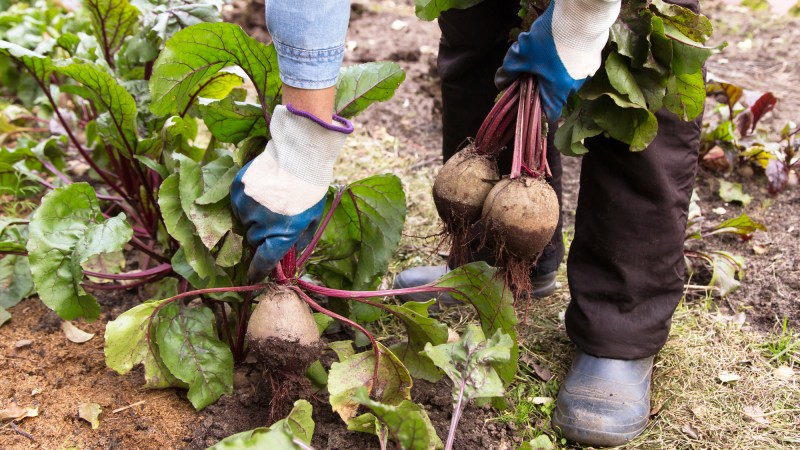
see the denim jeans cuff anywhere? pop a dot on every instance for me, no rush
(309, 69)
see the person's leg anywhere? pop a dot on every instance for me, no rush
(626, 275)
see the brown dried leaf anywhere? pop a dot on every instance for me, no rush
(691, 431)
(728, 377)
(90, 412)
(755, 414)
(656, 409)
(22, 343)
(543, 372)
(16, 412)
(75, 334)
(784, 373)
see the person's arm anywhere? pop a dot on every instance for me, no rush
(280, 195)
(563, 49)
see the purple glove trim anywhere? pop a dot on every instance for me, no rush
(346, 128)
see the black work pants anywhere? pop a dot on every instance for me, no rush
(625, 266)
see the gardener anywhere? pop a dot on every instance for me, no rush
(625, 266)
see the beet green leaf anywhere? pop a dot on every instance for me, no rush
(66, 230)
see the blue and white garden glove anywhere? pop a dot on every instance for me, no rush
(280, 195)
(562, 48)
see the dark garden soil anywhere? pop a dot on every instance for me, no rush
(40, 367)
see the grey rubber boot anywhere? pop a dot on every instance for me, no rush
(604, 402)
(543, 285)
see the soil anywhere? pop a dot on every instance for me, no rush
(57, 375)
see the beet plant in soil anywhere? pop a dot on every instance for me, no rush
(158, 116)
(731, 139)
(722, 270)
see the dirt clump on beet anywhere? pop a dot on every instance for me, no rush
(282, 333)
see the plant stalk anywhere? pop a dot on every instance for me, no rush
(315, 306)
(340, 293)
(321, 229)
(162, 268)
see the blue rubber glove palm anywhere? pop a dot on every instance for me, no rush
(280, 196)
(562, 48)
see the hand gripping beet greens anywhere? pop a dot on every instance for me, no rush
(653, 60)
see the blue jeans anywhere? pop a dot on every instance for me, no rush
(309, 39)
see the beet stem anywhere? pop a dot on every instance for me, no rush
(315, 306)
(318, 234)
(492, 140)
(480, 137)
(241, 328)
(339, 293)
(516, 162)
(162, 268)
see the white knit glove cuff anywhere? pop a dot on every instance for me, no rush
(294, 171)
(580, 31)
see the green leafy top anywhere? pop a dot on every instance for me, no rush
(469, 362)
(193, 58)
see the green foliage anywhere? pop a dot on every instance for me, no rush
(66, 230)
(733, 192)
(117, 123)
(112, 22)
(783, 345)
(727, 269)
(193, 59)
(476, 284)
(421, 330)
(16, 283)
(654, 59)
(281, 435)
(362, 85)
(356, 371)
(431, 9)
(357, 245)
(469, 363)
(407, 424)
(189, 346)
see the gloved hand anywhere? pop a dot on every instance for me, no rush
(279, 196)
(562, 48)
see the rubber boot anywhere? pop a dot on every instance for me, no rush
(604, 402)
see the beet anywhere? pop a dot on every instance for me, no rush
(282, 333)
(462, 186)
(521, 216)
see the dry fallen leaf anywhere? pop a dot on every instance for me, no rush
(452, 336)
(737, 319)
(398, 25)
(755, 414)
(90, 412)
(691, 431)
(543, 372)
(728, 377)
(656, 409)
(759, 249)
(784, 373)
(75, 334)
(16, 412)
(699, 411)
